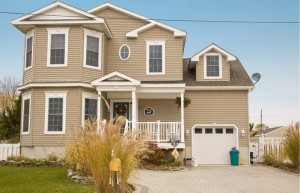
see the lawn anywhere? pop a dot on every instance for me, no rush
(38, 179)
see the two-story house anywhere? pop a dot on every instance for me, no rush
(72, 57)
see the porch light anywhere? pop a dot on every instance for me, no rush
(243, 132)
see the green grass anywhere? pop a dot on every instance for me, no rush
(39, 179)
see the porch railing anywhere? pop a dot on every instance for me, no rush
(157, 131)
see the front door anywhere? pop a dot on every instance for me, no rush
(121, 109)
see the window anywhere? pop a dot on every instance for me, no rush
(219, 130)
(90, 109)
(29, 49)
(89, 106)
(155, 57)
(26, 114)
(208, 130)
(229, 130)
(55, 115)
(57, 47)
(198, 130)
(92, 49)
(124, 52)
(212, 66)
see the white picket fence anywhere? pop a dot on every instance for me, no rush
(7, 150)
(263, 145)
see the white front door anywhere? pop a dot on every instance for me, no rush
(211, 145)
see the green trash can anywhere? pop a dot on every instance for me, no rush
(234, 157)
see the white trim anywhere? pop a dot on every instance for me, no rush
(101, 81)
(129, 52)
(87, 95)
(25, 97)
(96, 34)
(236, 130)
(28, 35)
(58, 30)
(230, 57)
(249, 88)
(31, 85)
(55, 94)
(156, 42)
(52, 6)
(220, 66)
(177, 85)
(177, 33)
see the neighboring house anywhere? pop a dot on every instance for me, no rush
(272, 132)
(137, 65)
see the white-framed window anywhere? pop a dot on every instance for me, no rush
(26, 114)
(124, 52)
(212, 66)
(155, 52)
(92, 49)
(55, 112)
(58, 39)
(89, 106)
(29, 49)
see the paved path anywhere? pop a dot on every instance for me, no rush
(218, 179)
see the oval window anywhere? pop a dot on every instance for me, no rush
(124, 52)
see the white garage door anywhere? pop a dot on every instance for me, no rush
(211, 145)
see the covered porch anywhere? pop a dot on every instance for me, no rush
(149, 107)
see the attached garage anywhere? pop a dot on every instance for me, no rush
(211, 143)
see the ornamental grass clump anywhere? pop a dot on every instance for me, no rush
(91, 153)
(291, 144)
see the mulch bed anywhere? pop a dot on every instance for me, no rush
(162, 167)
(285, 167)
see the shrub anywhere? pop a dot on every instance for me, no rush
(291, 143)
(52, 157)
(91, 152)
(154, 154)
(272, 159)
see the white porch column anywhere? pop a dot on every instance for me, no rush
(134, 101)
(98, 109)
(182, 117)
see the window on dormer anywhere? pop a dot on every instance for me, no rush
(92, 49)
(155, 57)
(57, 47)
(212, 66)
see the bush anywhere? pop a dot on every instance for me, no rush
(91, 153)
(291, 144)
(272, 159)
(154, 154)
(52, 157)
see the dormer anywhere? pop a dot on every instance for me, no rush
(212, 64)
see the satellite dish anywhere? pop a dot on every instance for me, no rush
(256, 77)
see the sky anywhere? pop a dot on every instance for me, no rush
(269, 49)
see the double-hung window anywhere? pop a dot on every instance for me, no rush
(57, 47)
(155, 57)
(212, 66)
(89, 107)
(92, 49)
(55, 112)
(29, 49)
(26, 114)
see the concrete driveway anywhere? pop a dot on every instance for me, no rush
(218, 179)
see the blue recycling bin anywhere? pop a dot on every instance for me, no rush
(234, 157)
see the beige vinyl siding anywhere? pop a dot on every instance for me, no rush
(220, 107)
(225, 69)
(105, 55)
(164, 110)
(52, 74)
(135, 66)
(28, 75)
(26, 139)
(73, 120)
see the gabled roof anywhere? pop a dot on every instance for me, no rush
(269, 130)
(115, 78)
(177, 32)
(59, 13)
(230, 56)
